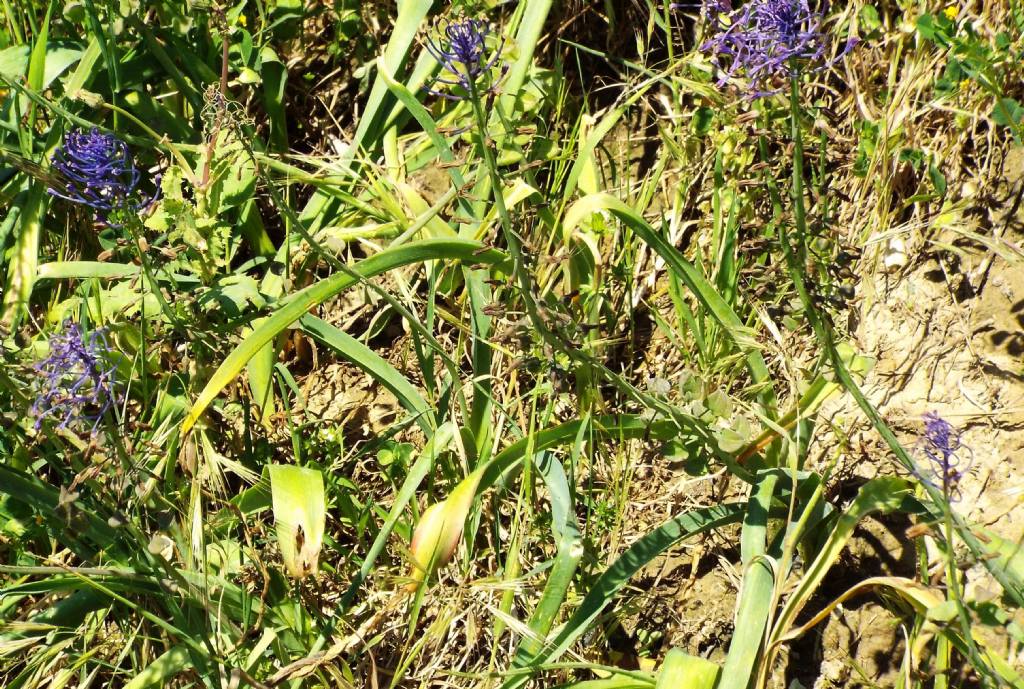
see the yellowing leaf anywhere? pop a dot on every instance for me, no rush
(300, 511)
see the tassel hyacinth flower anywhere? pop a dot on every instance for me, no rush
(78, 379)
(768, 40)
(948, 458)
(98, 171)
(461, 52)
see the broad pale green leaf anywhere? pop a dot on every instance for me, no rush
(684, 671)
(21, 273)
(300, 512)
(162, 670)
(66, 270)
(756, 593)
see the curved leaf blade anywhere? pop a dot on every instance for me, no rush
(701, 288)
(302, 301)
(622, 570)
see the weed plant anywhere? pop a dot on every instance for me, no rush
(369, 344)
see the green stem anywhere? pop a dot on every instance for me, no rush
(953, 588)
(515, 246)
(137, 229)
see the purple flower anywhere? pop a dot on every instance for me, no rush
(78, 383)
(98, 171)
(767, 40)
(461, 52)
(948, 458)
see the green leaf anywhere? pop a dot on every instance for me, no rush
(232, 295)
(69, 270)
(1007, 112)
(643, 551)
(234, 173)
(929, 30)
(275, 77)
(300, 511)
(703, 119)
(695, 281)
(570, 550)
(535, 14)
(756, 593)
(162, 670)
(719, 404)
(22, 271)
(869, 18)
(366, 359)
(403, 35)
(37, 59)
(14, 61)
(938, 179)
(684, 671)
(1005, 554)
(945, 612)
(877, 495)
(260, 374)
(59, 58)
(293, 309)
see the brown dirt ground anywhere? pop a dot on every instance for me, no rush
(946, 328)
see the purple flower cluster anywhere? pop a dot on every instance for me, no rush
(78, 380)
(767, 40)
(461, 52)
(98, 171)
(948, 457)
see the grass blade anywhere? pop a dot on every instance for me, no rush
(367, 360)
(438, 443)
(21, 273)
(756, 593)
(688, 274)
(410, 15)
(162, 670)
(79, 270)
(622, 570)
(300, 302)
(881, 494)
(570, 551)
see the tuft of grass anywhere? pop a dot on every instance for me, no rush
(438, 377)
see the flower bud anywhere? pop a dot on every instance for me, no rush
(440, 528)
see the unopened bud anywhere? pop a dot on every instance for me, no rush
(437, 535)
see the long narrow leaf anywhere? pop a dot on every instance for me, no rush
(367, 360)
(439, 442)
(622, 570)
(294, 308)
(690, 276)
(756, 593)
(567, 559)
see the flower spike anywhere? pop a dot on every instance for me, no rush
(461, 51)
(948, 458)
(98, 171)
(767, 40)
(78, 379)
